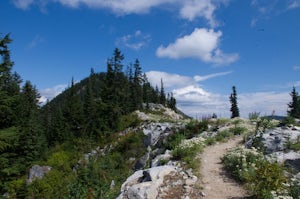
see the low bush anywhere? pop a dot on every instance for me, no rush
(221, 136)
(210, 141)
(259, 175)
(187, 151)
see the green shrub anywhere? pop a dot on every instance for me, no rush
(187, 152)
(288, 121)
(295, 191)
(295, 146)
(53, 185)
(130, 120)
(238, 130)
(260, 176)
(268, 176)
(174, 140)
(221, 136)
(60, 160)
(194, 128)
(210, 141)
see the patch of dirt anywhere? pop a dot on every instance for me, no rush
(215, 182)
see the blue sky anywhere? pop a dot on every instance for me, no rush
(201, 48)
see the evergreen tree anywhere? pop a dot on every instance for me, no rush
(162, 95)
(90, 109)
(294, 105)
(117, 61)
(32, 140)
(171, 101)
(234, 106)
(137, 85)
(9, 86)
(73, 112)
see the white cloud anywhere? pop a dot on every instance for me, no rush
(199, 78)
(23, 4)
(170, 80)
(35, 41)
(134, 41)
(199, 8)
(269, 8)
(188, 9)
(297, 67)
(194, 100)
(202, 44)
(263, 102)
(50, 93)
(293, 4)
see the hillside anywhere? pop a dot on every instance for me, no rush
(86, 118)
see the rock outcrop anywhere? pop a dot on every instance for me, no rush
(37, 172)
(158, 182)
(275, 143)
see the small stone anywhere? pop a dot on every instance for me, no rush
(112, 184)
(202, 194)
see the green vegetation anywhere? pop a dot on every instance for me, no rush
(294, 105)
(259, 175)
(86, 115)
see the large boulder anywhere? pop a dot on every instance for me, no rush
(144, 184)
(276, 139)
(37, 172)
(158, 131)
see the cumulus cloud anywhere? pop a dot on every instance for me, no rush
(134, 41)
(188, 9)
(202, 44)
(194, 100)
(199, 8)
(170, 81)
(50, 93)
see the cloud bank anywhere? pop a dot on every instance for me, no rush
(188, 9)
(202, 44)
(196, 101)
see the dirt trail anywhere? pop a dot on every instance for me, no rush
(215, 183)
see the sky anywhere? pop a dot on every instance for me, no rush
(200, 48)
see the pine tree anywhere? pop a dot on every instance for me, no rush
(294, 105)
(162, 95)
(234, 106)
(9, 86)
(73, 112)
(32, 140)
(89, 109)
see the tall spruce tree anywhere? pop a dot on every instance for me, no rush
(32, 140)
(234, 105)
(73, 112)
(162, 95)
(294, 105)
(9, 86)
